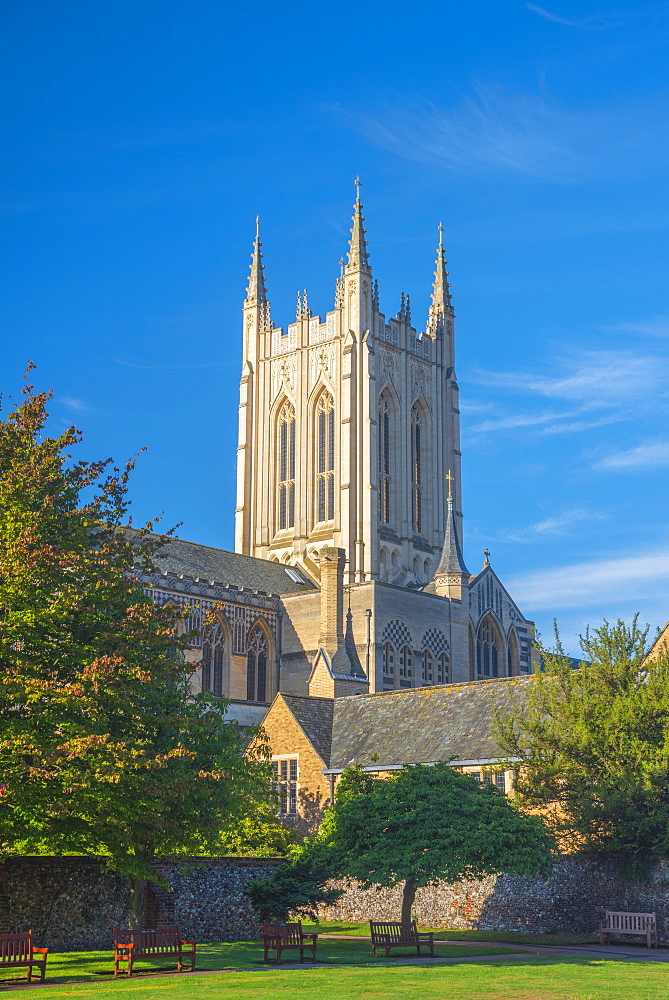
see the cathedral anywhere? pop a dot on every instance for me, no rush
(348, 576)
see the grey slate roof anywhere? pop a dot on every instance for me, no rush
(206, 563)
(419, 725)
(315, 717)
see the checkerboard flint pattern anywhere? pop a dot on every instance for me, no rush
(435, 640)
(397, 633)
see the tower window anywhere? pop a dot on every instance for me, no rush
(256, 665)
(416, 469)
(443, 665)
(325, 432)
(406, 661)
(384, 461)
(287, 467)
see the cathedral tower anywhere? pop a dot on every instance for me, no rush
(348, 427)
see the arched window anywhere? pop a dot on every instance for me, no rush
(211, 664)
(417, 468)
(514, 655)
(428, 666)
(325, 458)
(256, 665)
(488, 648)
(443, 669)
(286, 470)
(416, 569)
(388, 665)
(384, 460)
(406, 663)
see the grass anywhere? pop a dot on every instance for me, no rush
(516, 937)
(96, 966)
(523, 979)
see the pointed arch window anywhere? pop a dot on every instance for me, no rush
(428, 666)
(384, 460)
(388, 665)
(211, 664)
(417, 468)
(443, 669)
(256, 665)
(286, 477)
(325, 441)
(487, 650)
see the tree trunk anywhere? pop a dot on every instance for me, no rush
(137, 896)
(408, 897)
(138, 889)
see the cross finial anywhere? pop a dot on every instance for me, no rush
(486, 553)
(449, 480)
(358, 184)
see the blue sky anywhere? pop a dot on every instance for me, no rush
(141, 139)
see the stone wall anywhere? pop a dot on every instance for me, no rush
(572, 900)
(73, 903)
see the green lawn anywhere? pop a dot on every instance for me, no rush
(97, 966)
(516, 937)
(520, 979)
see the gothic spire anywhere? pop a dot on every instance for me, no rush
(357, 252)
(452, 563)
(256, 290)
(441, 290)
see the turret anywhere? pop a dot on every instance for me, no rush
(452, 576)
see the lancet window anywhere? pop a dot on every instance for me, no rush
(286, 470)
(388, 665)
(325, 439)
(256, 665)
(211, 664)
(488, 650)
(443, 669)
(417, 468)
(384, 460)
(428, 666)
(406, 663)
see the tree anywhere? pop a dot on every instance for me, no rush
(103, 749)
(422, 824)
(594, 745)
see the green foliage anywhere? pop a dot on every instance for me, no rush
(421, 824)
(102, 747)
(298, 887)
(594, 745)
(258, 836)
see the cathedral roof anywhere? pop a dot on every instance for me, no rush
(417, 726)
(206, 563)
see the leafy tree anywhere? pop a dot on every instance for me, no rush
(103, 749)
(422, 824)
(594, 745)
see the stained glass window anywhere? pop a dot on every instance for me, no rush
(256, 665)
(325, 433)
(286, 467)
(384, 461)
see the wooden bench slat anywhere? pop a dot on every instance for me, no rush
(622, 922)
(394, 934)
(280, 937)
(18, 950)
(166, 942)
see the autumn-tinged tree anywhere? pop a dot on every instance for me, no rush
(594, 745)
(421, 824)
(103, 749)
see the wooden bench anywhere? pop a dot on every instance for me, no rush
(129, 946)
(283, 937)
(619, 922)
(18, 950)
(398, 935)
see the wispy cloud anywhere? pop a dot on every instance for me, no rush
(73, 404)
(598, 582)
(656, 326)
(558, 524)
(644, 456)
(170, 368)
(593, 22)
(523, 134)
(597, 378)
